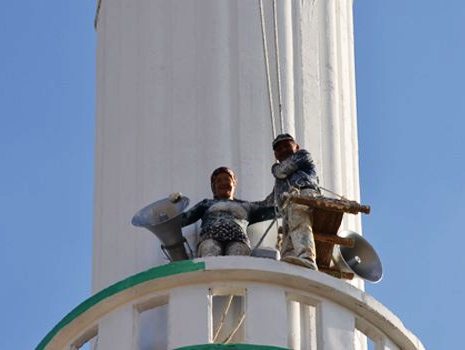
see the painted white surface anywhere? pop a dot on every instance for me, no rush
(189, 319)
(266, 320)
(293, 325)
(117, 330)
(302, 314)
(152, 328)
(340, 308)
(337, 327)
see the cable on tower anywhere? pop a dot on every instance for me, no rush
(267, 67)
(278, 66)
(223, 317)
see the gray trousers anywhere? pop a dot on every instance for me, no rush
(212, 247)
(298, 238)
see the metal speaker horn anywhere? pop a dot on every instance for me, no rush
(362, 258)
(163, 218)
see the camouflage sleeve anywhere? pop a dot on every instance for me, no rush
(263, 210)
(301, 160)
(305, 163)
(267, 202)
(283, 169)
(195, 213)
(261, 213)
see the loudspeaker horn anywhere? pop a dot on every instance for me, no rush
(361, 259)
(163, 218)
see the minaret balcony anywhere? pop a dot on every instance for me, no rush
(230, 302)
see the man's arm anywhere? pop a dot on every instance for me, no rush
(267, 202)
(194, 214)
(261, 213)
(301, 160)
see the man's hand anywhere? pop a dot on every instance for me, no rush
(284, 168)
(175, 197)
(277, 171)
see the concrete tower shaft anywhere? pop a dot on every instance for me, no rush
(182, 89)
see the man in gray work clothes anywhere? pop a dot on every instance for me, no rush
(294, 173)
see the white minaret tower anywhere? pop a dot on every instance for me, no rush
(184, 86)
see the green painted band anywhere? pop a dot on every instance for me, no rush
(145, 276)
(231, 347)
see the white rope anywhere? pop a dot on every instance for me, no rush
(337, 194)
(267, 66)
(228, 339)
(264, 235)
(223, 316)
(278, 66)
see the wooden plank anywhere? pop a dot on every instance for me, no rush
(325, 221)
(324, 252)
(331, 204)
(345, 242)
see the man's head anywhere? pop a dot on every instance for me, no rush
(223, 183)
(284, 146)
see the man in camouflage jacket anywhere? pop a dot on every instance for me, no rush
(294, 173)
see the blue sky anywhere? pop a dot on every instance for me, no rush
(411, 112)
(410, 72)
